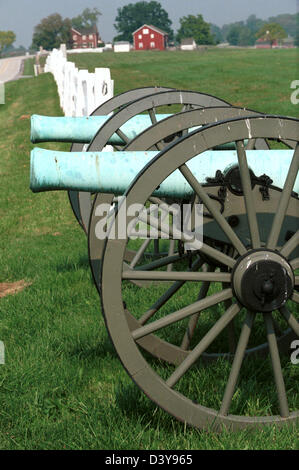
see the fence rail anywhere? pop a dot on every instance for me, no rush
(80, 91)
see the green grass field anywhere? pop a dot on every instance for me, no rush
(62, 386)
(259, 80)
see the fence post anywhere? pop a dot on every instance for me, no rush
(80, 92)
(103, 86)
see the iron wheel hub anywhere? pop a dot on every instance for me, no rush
(263, 280)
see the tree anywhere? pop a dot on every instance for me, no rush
(6, 39)
(240, 35)
(87, 19)
(234, 33)
(254, 24)
(195, 27)
(216, 33)
(51, 32)
(132, 16)
(271, 32)
(290, 23)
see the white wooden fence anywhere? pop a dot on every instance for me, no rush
(80, 92)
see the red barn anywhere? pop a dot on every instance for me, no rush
(85, 38)
(149, 37)
(263, 44)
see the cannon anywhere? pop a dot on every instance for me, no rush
(230, 298)
(120, 110)
(127, 125)
(117, 122)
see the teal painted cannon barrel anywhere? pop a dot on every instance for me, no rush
(83, 129)
(113, 172)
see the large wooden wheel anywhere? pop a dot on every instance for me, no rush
(255, 245)
(152, 138)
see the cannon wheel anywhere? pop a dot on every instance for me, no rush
(80, 201)
(147, 103)
(146, 140)
(179, 389)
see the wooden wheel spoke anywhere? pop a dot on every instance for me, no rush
(175, 276)
(186, 107)
(211, 206)
(168, 294)
(118, 148)
(291, 244)
(152, 114)
(159, 263)
(248, 195)
(194, 318)
(171, 251)
(290, 319)
(123, 136)
(276, 365)
(194, 355)
(295, 297)
(139, 253)
(179, 235)
(231, 333)
(250, 144)
(182, 313)
(159, 146)
(218, 255)
(237, 363)
(284, 201)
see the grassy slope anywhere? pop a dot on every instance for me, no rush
(28, 67)
(256, 79)
(62, 385)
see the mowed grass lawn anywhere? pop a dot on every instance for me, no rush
(257, 79)
(62, 386)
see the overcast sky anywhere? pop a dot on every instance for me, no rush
(22, 15)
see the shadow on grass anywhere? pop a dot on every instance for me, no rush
(68, 266)
(103, 350)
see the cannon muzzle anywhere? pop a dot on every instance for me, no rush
(113, 172)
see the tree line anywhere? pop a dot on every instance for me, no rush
(54, 30)
(245, 33)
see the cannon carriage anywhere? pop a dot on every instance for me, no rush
(230, 297)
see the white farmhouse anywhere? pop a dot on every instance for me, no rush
(188, 44)
(122, 46)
